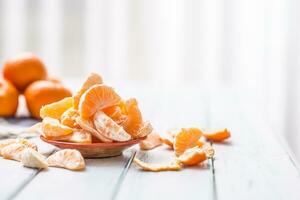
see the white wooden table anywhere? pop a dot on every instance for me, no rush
(253, 164)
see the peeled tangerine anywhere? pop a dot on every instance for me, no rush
(217, 136)
(110, 129)
(68, 118)
(78, 136)
(13, 151)
(7, 142)
(153, 140)
(53, 128)
(192, 156)
(88, 125)
(67, 158)
(56, 109)
(157, 168)
(31, 158)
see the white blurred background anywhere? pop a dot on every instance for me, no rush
(253, 44)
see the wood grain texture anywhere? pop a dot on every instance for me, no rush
(252, 164)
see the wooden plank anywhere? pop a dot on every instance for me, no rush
(253, 164)
(15, 175)
(177, 108)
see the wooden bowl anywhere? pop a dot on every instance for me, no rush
(95, 150)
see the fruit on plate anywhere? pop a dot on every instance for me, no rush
(9, 98)
(41, 93)
(23, 69)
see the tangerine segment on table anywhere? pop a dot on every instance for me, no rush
(31, 158)
(192, 156)
(217, 136)
(9, 98)
(56, 109)
(155, 167)
(53, 128)
(93, 79)
(97, 98)
(13, 151)
(133, 117)
(67, 158)
(185, 139)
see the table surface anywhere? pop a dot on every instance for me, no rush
(253, 164)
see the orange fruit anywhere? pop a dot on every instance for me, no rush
(153, 140)
(155, 167)
(96, 98)
(93, 79)
(68, 118)
(56, 109)
(133, 118)
(9, 98)
(23, 69)
(53, 128)
(185, 139)
(41, 93)
(67, 158)
(192, 156)
(217, 136)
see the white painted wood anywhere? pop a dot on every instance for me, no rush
(252, 164)
(176, 109)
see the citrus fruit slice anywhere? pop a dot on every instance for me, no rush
(153, 140)
(155, 167)
(13, 151)
(27, 143)
(78, 136)
(133, 118)
(88, 125)
(96, 98)
(92, 79)
(56, 109)
(53, 128)
(68, 118)
(110, 129)
(192, 156)
(31, 158)
(67, 158)
(6, 142)
(144, 130)
(117, 112)
(185, 139)
(217, 136)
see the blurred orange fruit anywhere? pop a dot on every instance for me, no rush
(96, 98)
(185, 139)
(23, 69)
(9, 98)
(41, 93)
(93, 79)
(56, 109)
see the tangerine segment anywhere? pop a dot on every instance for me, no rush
(92, 79)
(110, 129)
(185, 139)
(4, 143)
(56, 109)
(53, 128)
(153, 140)
(78, 136)
(145, 129)
(13, 151)
(67, 158)
(96, 98)
(192, 156)
(157, 168)
(88, 125)
(22, 141)
(27, 143)
(117, 112)
(133, 118)
(33, 159)
(217, 136)
(68, 118)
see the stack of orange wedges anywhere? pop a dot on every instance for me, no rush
(96, 113)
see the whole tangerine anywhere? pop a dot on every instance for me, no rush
(9, 98)
(23, 69)
(41, 93)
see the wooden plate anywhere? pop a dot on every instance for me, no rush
(95, 150)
